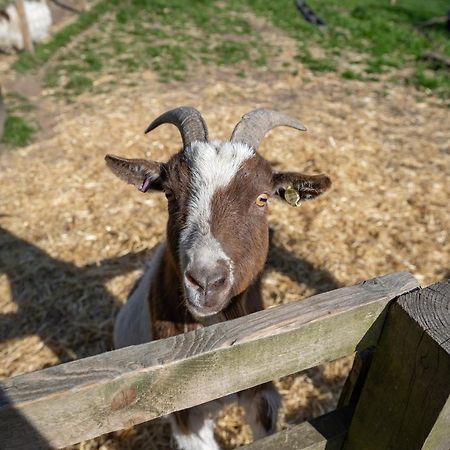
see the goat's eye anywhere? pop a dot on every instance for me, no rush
(262, 200)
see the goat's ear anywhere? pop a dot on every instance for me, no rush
(145, 175)
(296, 187)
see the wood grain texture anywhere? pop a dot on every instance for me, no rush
(405, 402)
(111, 391)
(326, 432)
(430, 308)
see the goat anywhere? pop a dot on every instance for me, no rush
(39, 20)
(209, 269)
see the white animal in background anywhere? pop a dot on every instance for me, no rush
(39, 20)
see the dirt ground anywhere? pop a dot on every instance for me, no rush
(73, 237)
(29, 86)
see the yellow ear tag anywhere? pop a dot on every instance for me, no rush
(292, 196)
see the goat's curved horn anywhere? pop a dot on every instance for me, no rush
(189, 122)
(254, 125)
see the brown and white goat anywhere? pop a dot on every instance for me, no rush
(209, 269)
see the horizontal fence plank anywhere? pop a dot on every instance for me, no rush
(83, 399)
(326, 432)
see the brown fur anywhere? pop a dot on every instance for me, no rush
(240, 225)
(182, 419)
(168, 311)
(241, 228)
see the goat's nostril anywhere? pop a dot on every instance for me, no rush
(205, 281)
(194, 282)
(217, 283)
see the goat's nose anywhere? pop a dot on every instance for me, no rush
(207, 278)
(196, 279)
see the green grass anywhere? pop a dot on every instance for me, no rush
(78, 84)
(364, 40)
(384, 34)
(44, 52)
(18, 129)
(18, 103)
(18, 132)
(171, 37)
(350, 75)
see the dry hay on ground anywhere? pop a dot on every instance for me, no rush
(73, 237)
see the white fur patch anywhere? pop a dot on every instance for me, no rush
(201, 428)
(250, 403)
(133, 324)
(213, 165)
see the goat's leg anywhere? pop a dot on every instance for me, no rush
(193, 428)
(261, 405)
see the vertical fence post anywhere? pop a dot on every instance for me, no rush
(354, 384)
(27, 42)
(405, 403)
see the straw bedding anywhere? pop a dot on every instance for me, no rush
(73, 237)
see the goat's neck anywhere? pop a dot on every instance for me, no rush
(169, 313)
(245, 303)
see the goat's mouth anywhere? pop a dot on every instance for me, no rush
(202, 305)
(206, 291)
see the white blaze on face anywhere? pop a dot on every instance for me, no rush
(213, 166)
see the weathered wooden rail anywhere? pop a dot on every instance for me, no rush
(404, 403)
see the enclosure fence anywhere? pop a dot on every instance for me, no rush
(396, 396)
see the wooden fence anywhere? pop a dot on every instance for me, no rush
(396, 397)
